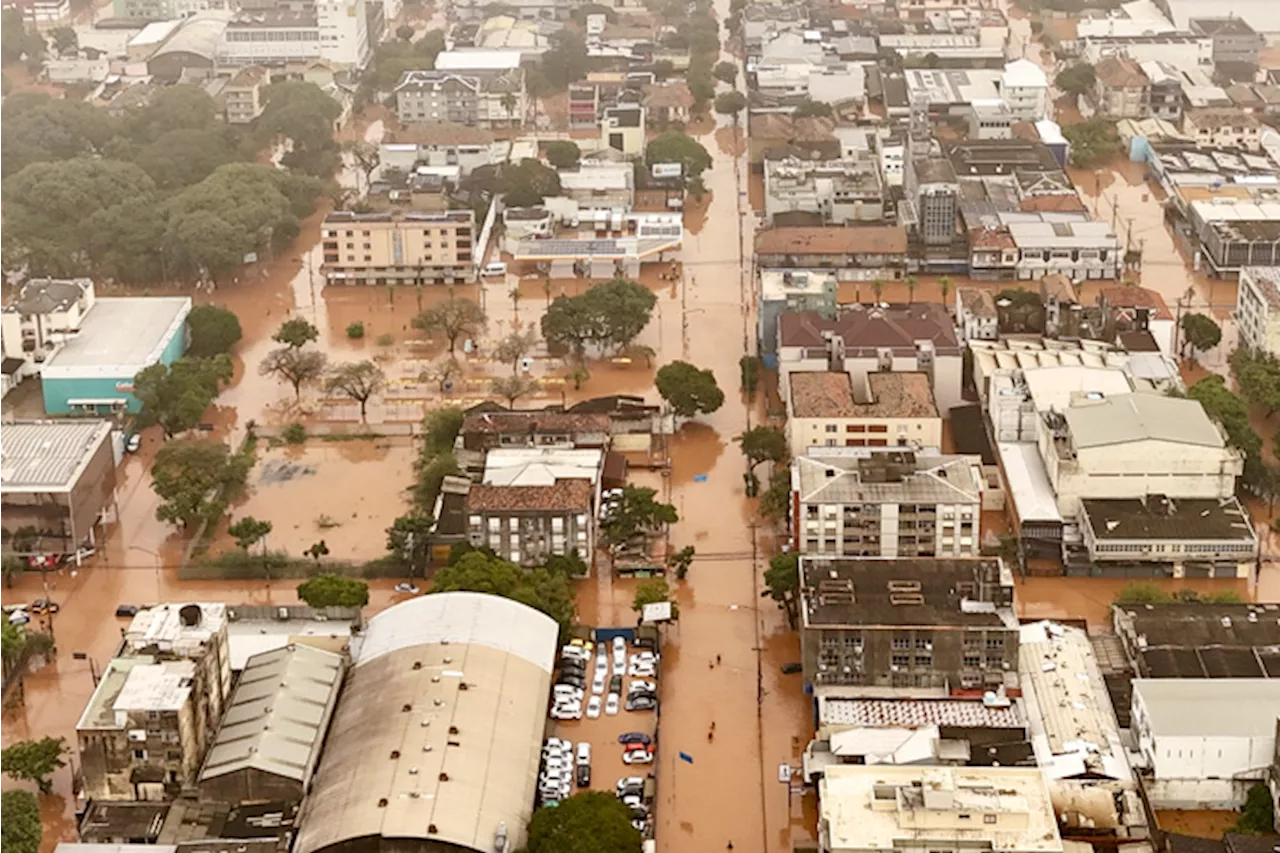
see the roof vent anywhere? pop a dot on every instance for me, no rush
(382, 803)
(444, 777)
(413, 771)
(395, 753)
(448, 659)
(417, 664)
(462, 685)
(189, 615)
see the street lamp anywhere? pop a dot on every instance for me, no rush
(93, 667)
(156, 558)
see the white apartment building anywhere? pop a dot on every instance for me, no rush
(332, 30)
(976, 314)
(45, 314)
(834, 409)
(1257, 309)
(841, 192)
(483, 99)
(1223, 128)
(1183, 51)
(1079, 250)
(853, 502)
(873, 808)
(1205, 741)
(1024, 88)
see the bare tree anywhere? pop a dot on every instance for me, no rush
(358, 380)
(367, 159)
(512, 388)
(441, 373)
(296, 366)
(514, 347)
(452, 318)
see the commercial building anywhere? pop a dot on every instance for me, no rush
(268, 745)
(93, 372)
(1121, 87)
(855, 254)
(869, 503)
(484, 431)
(916, 338)
(399, 247)
(1205, 742)
(1233, 39)
(1191, 640)
(598, 185)
(833, 409)
(269, 32)
(822, 192)
(484, 99)
(1223, 128)
(1024, 88)
(783, 290)
(1257, 309)
(923, 623)
(1185, 51)
(60, 478)
(154, 711)
(44, 315)
(873, 808)
(622, 129)
(437, 738)
(1078, 250)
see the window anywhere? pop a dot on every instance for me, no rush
(988, 818)
(139, 755)
(831, 427)
(901, 660)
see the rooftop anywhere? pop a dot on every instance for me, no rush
(1128, 418)
(866, 329)
(1158, 517)
(1186, 640)
(916, 713)
(254, 629)
(986, 157)
(977, 301)
(119, 336)
(48, 456)
(541, 466)
(1221, 707)
(779, 284)
(892, 395)
(871, 592)
(478, 59)
(835, 240)
(506, 423)
(822, 395)
(47, 295)
(278, 715)
(1127, 296)
(1120, 72)
(183, 630)
(441, 133)
(1266, 280)
(848, 475)
(564, 496)
(882, 807)
(1221, 26)
(136, 684)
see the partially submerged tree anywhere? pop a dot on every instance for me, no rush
(409, 538)
(587, 822)
(638, 512)
(688, 389)
(249, 531)
(514, 347)
(677, 147)
(190, 477)
(175, 396)
(296, 366)
(1200, 332)
(296, 332)
(725, 72)
(358, 380)
(512, 388)
(328, 590)
(34, 761)
(549, 592)
(653, 591)
(731, 103)
(452, 318)
(782, 580)
(763, 444)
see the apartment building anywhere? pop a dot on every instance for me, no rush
(886, 503)
(1078, 249)
(1024, 88)
(527, 524)
(1257, 309)
(1223, 128)
(46, 313)
(398, 247)
(1120, 87)
(1233, 39)
(157, 705)
(241, 98)
(1182, 50)
(822, 192)
(267, 33)
(783, 290)
(907, 623)
(474, 98)
(1164, 91)
(879, 409)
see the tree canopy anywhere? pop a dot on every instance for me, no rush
(538, 588)
(587, 822)
(249, 531)
(528, 183)
(34, 761)
(809, 108)
(296, 366)
(454, 317)
(1200, 332)
(565, 62)
(21, 831)
(562, 153)
(213, 331)
(731, 103)
(688, 389)
(1076, 79)
(725, 72)
(653, 591)
(782, 580)
(676, 147)
(638, 512)
(763, 444)
(327, 590)
(357, 380)
(192, 478)
(175, 396)
(1092, 141)
(1258, 375)
(610, 314)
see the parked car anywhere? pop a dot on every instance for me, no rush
(630, 786)
(584, 753)
(573, 680)
(493, 270)
(602, 662)
(611, 705)
(18, 616)
(133, 442)
(639, 670)
(637, 756)
(642, 687)
(615, 684)
(792, 668)
(44, 605)
(593, 707)
(635, 737)
(575, 653)
(126, 611)
(584, 776)
(642, 702)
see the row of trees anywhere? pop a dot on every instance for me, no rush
(297, 365)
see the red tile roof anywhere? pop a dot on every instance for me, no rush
(878, 239)
(564, 496)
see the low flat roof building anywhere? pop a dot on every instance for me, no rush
(1190, 536)
(833, 409)
(1194, 640)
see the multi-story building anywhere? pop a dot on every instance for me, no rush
(44, 315)
(527, 524)
(1121, 87)
(242, 99)
(793, 290)
(399, 247)
(1164, 91)
(333, 30)
(1256, 299)
(1024, 88)
(976, 314)
(932, 197)
(870, 503)
(485, 431)
(861, 254)
(924, 623)
(1233, 39)
(164, 10)
(1182, 50)
(144, 732)
(995, 809)
(832, 409)
(1223, 128)
(622, 129)
(1078, 249)
(823, 192)
(484, 99)
(1197, 640)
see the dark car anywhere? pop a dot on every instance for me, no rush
(573, 669)
(584, 775)
(635, 737)
(615, 684)
(792, 668)
(572, 680)
(126, 611)
(642, 702)
(44, 605)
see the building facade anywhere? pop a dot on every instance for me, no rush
(1176, 537)
(399, 247)
(1224, 128)
(333, 30)
(43, 316)
(976, 313)
(1121, 88)
(1233, 39)
(783, 290)
(1257, 309)
(481, 99)
(880, 409)
(242, 100)
(825, 192)
(527, 524)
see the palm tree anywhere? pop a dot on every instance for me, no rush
(911, 289)
(546, 288)
(508, 101)
(877, 287)
(515, 303)
(944, 287)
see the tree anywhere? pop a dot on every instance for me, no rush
(317, 550)
(367, 158)
(11, 565)
(1230, 411)
(811, 109)
(249, 531)
(17, 43)
(298, 367)
(588, 822)
(731, 103)
(1142, 592)
(623, 308)
(1258, 374)
(296, 332)
(512, 388)
(688, 389)
(190, 476)
(1258, 815)
(676, 147)
(912, 283)
(944, 288)
(175, 396)
(725, 72)
(327, 590)
(21, 829)
(877, 287)
(566, 61)
(571, 322)
(562, 153)
(452, 318)
(186, 106)
(681, 561)
(213, 331)
(1200, 332)
(305, 114)
(34, 761)
(514, 347)
(775, 502)
(358, 380)
(65, 40)
(409, 538)
(763, 444)
(37, 128)
(1092, 142)
(700, 82)
(1076, 80)
(549, 592)
(13, 641)
(653, 591)
(571, 565)
(638, 512)
(782, 580)
(528, 183)
(749, 366)
(180, 158)
(508, 102)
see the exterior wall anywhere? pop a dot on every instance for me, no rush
(888, 530)
(1245, 134)
(770, 309)
(72, 515)
(1259, 329)
(399, 250)
(251, 784)
(57, 392)
(45, 332)
(947, 371)
(173, 748)
(974, 328)
(242, 104)
(803, 433)
(530, 537)
(936, 657)
(1099, 262)
(340, 35)
(1122, 102)
(1027, 102)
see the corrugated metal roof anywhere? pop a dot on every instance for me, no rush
(1127, 418)
(48, 455)
(278, 714)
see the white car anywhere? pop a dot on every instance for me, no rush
(494, 269)
(577, 653)
(602, 662)
(640, 657)
(593, 708)
(567, 691)
(558, 744)
(611, 705)
(619, 655)
(642, 687)
(597, 683)
(642, 670)
(567, 712)
(637, 756)
(584, 753)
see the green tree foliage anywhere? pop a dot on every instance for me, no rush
(701, 83)
(1230, 411)
(528, 183)
(763, 444)
(13, 640)
(731, 103)
(514, 347)
(676, 147)
(296, 333)
(328, 590)
(812, 109)
(454, 317)
(186, 156)
(688, 389)
(213, 329)
(750, 366)
(356, 380)
(1200, 333)
(303, 113)
(1258, 815)
(653, 591)
(540, 589)
(21, 830)
(1150, 592)
(193, 477)
(393, 58)
(175, 396)
(775, 501)
(12, 566)
(638, 512)
(782, 580)
(186, 106)
(1258, 375)
(19, 42)
(611, 315)
(587, 822)
(1092, 142)
(37, 128)
(441, 430)
(249, 531)
(65, 40)
(725, 72)
(409, 538)
(566, 61)
(1077, 79)
(34, 761)
(296, 366)
(562, 153)
(682, 560)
